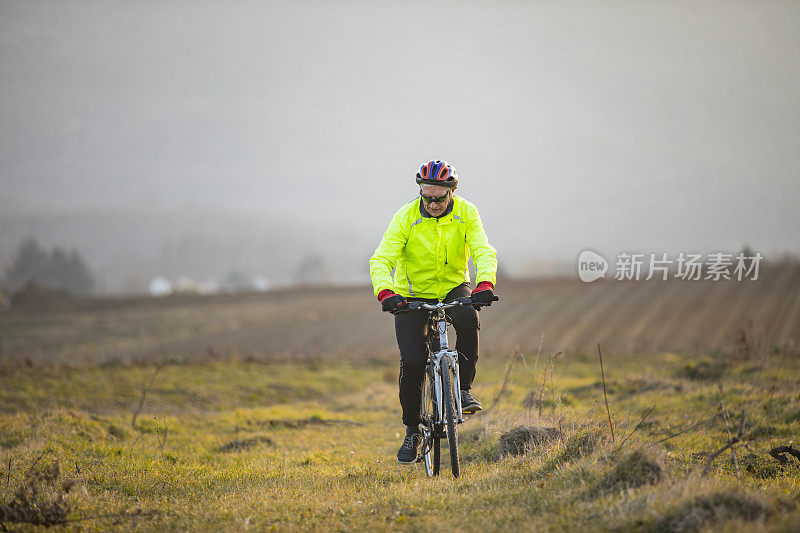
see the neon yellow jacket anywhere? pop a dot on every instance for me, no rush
(430, 254)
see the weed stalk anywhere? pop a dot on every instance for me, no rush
(548, 366)
(730, 438)
(515, 354)
(533, 375)
(637, 427)
(143, 397)
(605, 395)
(8, 475)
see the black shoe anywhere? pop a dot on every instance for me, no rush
(409, 451)
(469, 404)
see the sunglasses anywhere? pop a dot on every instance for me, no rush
(436, 200)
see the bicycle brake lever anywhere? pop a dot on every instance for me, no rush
(469, 300)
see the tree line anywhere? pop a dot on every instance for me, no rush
(55, 269)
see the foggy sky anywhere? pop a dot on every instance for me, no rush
(649, 126)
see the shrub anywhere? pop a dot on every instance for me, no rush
(581, 444)
(706, 510)
(32, 505)
(702, 370)
(632, 470)
(521, 439)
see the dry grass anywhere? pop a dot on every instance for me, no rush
(226, 438)
(311, 446)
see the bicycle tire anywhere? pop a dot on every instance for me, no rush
(450, 414)
(427, 461)
(426, 415)
(437, 456)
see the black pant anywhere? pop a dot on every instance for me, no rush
(411, 329)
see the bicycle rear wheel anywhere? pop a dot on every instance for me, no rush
(448, 396)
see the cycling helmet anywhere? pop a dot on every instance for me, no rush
(437, 173)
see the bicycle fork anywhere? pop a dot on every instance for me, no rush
(451, 357)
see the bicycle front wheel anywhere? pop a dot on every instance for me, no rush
(448, 396)
(430, 450)
(437, 455)
(427, 459)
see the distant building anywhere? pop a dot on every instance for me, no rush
(208, 286)
(185, 284)
(261, 283)
(160, 286)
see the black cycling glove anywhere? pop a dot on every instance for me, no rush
(484, 297)
(393, 303)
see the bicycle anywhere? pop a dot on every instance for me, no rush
(441, 393)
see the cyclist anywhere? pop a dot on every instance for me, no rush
(428, 243)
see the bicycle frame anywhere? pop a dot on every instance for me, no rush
(439, 321)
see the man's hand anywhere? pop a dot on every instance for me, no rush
(483, 293)
(391, 302)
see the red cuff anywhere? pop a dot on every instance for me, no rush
(385, 293)
(484, 286)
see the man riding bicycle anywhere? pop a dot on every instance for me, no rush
(428, 243)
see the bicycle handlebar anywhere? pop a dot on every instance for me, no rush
(464, 300)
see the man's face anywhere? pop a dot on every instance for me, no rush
(435, 191)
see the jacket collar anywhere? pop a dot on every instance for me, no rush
(425, 214)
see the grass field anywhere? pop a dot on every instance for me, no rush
(649, 317)
(230, 438)
(234, 445)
